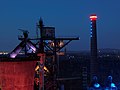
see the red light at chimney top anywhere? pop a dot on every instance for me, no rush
(93, 17)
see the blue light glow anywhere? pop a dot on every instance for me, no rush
(113, 85)
(106, 88)
(91, 22)
(110, 77)
(91, 36)
(96, 85)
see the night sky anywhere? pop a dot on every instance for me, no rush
(70, 18)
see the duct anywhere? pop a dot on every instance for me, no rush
(31, 45)
(15, 52)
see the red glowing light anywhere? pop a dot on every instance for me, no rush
(93, 17)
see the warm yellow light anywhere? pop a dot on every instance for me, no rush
(61, 43)
(44, 68)
(36, 68)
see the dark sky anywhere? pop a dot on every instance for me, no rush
(70, 18)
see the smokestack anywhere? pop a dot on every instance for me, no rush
(93, 36)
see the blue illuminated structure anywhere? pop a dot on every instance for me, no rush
(109, 84)
(93, 18)
(94, 84)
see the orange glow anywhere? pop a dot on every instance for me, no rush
(36, 68)
(45, 68)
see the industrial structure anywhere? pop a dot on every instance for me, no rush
(93, 46)
(43, 51)
(41, 64)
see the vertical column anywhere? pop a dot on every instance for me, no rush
(93, 36)
(41, 71)
(55, 66)
(41, 46)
